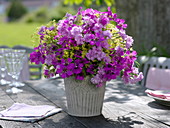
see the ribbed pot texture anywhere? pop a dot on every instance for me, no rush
(83, 98)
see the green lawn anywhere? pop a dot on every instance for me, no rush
(17, 34)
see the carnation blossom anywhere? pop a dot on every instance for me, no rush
(90, 43)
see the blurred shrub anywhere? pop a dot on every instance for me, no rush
(39, 16)
(44, 14)
(89, 3)
(15, 10)
(155, 50)
(59, 12)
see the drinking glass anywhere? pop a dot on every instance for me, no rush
(21, 53)
(14, 62)
(3, 67)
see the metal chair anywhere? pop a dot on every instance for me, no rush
(4, 46)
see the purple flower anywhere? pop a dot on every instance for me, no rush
(123, 34)
(48, 73)
(80, 77)
(79, 11)
(97, 53)
(79, 39)
(107, 33)
(131, 55)
(104, 20)
(121, 24)
(131, 77)
(51, 28)
(97, 28)
(90, 69)
(76, 30)
(90, 43)
(49, 59)
(119, 51)
(77, 70)
(89, 37)
(129, 41)
(42, 30)
(37, 57)
(96, 79)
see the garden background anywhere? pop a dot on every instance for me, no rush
(148, 20)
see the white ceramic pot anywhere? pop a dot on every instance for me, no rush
(83, 98)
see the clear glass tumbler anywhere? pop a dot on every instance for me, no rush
(14, 62)
(3, 68)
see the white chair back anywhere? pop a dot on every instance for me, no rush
(158, 62)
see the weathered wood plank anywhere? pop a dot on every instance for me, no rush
(95, 122)
(54, 91)
(124, 99)
(32, 97)
(122, 116)
(61, 120)
(133, 99)
(5, 102)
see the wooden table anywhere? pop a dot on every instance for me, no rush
(124, 107)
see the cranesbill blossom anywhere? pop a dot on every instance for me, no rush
(90, 43)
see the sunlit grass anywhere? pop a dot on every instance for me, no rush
(17, 34)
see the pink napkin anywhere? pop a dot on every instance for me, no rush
(24, 110)
(158, 94)
(158, 79)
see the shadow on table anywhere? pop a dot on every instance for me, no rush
(91, 122)
(118, 92)
(125, 122)
(157, 105)
(60, 120)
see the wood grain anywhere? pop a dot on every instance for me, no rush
(30, 96)
(5, 102)
(120, 100)
(125, 106)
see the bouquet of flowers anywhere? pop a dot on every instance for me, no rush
(90, 43)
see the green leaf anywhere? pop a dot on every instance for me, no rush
(78, 1)
(137, 64)
(101, 1)
(113, 10)
(66, 2)
(72, 2)
(98, 2)
(108, 2)
(87, 3)
(84, 71)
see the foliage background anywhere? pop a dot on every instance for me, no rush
(17, 33)
(16, 10)
(148, 22)
(20, 31)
